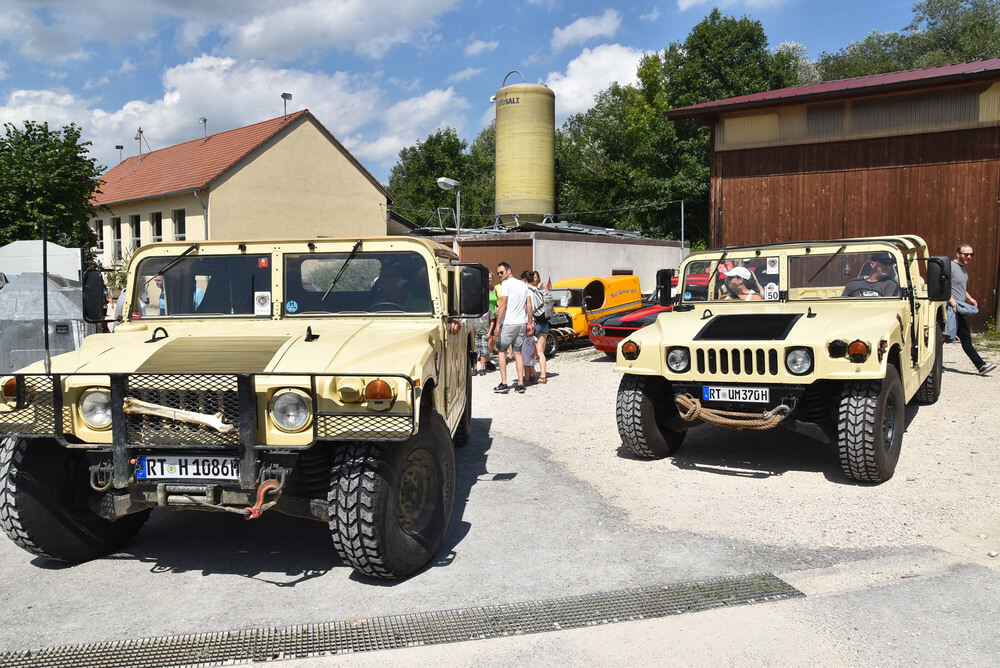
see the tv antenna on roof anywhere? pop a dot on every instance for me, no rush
(138, 138)
(286, 97)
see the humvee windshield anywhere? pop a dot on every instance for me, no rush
(208, 285)
(370, 282)
(863, 275)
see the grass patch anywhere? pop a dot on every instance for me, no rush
(989, 339)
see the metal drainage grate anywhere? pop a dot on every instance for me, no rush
(414, 630)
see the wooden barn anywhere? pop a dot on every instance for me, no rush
(913, 152)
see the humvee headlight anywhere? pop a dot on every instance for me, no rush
(858, 351)
(630, 350)
(95, 408)
(679, 360)
(290, 410)
(379, 395)
(799, 361)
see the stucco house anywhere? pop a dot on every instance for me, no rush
(285, 177)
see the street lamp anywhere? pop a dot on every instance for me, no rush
(444, 183)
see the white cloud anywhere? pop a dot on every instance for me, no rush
(652, 16)
(409, 121)
(126, 67)
(586, 28)
(229, 93)
(368, 27)
(590, 73)
(466, 74)
(479, 46)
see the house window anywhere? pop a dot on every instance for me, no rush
(180, 226)
(98, 227)
(133, 228)
(116, 239)
(156, 223)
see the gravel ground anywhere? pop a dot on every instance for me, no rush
(776, 487)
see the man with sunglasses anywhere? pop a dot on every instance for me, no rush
(962, 305)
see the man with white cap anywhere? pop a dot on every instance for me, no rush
(738, 281)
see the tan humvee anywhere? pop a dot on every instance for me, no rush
(828, 338)
(327, 379)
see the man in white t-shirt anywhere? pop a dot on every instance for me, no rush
(513, 322)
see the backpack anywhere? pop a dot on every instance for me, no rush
(541, 305)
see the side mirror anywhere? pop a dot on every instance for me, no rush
(473, 290)
(665, 280)
(94, 301)
(939, 278)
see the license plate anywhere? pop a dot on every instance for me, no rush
(752, 395)
(152, 467)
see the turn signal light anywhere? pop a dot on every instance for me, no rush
(379, 395)
(630, 350)
(858, 351)
(10, 388)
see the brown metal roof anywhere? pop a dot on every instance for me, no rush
(195, 164)
(842, 88)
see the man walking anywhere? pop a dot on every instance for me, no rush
(513, 322)
(959, 303)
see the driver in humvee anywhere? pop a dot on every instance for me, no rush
(880, 280)
(401, 286)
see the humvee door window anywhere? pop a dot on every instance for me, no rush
(207, 285)
(854, 275)
(372, 282)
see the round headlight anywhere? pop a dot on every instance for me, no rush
(290, 410)
(678, 359)
(798, 361)
(95, 408)
(597, 330)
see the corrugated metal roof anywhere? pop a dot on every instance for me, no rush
(195, 164)
(858, 86)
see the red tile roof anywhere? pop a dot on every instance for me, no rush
(195, 164)
(858, 86)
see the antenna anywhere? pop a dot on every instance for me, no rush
(120, 148)
(286, 97)
(204, 123)
(138, 138)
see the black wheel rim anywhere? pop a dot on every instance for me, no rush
(889, 422)
(418, 485)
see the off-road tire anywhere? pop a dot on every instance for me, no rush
(464, 430)
(644, 406)
(366, 515)
(43, 503)
(930, 389)
(870, 427)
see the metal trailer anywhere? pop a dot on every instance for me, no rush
(22, 334)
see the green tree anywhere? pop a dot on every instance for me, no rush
(413, 180)
(623, 157)
(47, 175)
(942, 32)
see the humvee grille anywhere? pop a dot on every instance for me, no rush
(379, 427)
(209, 394)
(737, 361)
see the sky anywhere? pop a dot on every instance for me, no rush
(379, 74)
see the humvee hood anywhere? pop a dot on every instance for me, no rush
(787, 322)
(344, 346)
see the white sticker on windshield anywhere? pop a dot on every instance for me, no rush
(262, 303)
(772, 266)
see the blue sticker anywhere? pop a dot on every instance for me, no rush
(291, 306)
(687, 295)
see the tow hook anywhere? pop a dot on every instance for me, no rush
(100, 476)
(266, 487)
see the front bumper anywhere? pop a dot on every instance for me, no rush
(41, 411)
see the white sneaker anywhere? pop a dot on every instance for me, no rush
(986, 368)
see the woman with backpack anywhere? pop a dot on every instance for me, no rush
(541, 302)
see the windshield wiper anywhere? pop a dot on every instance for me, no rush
(176, 261)
(717, 265)
(354, 252)
(839, 250)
